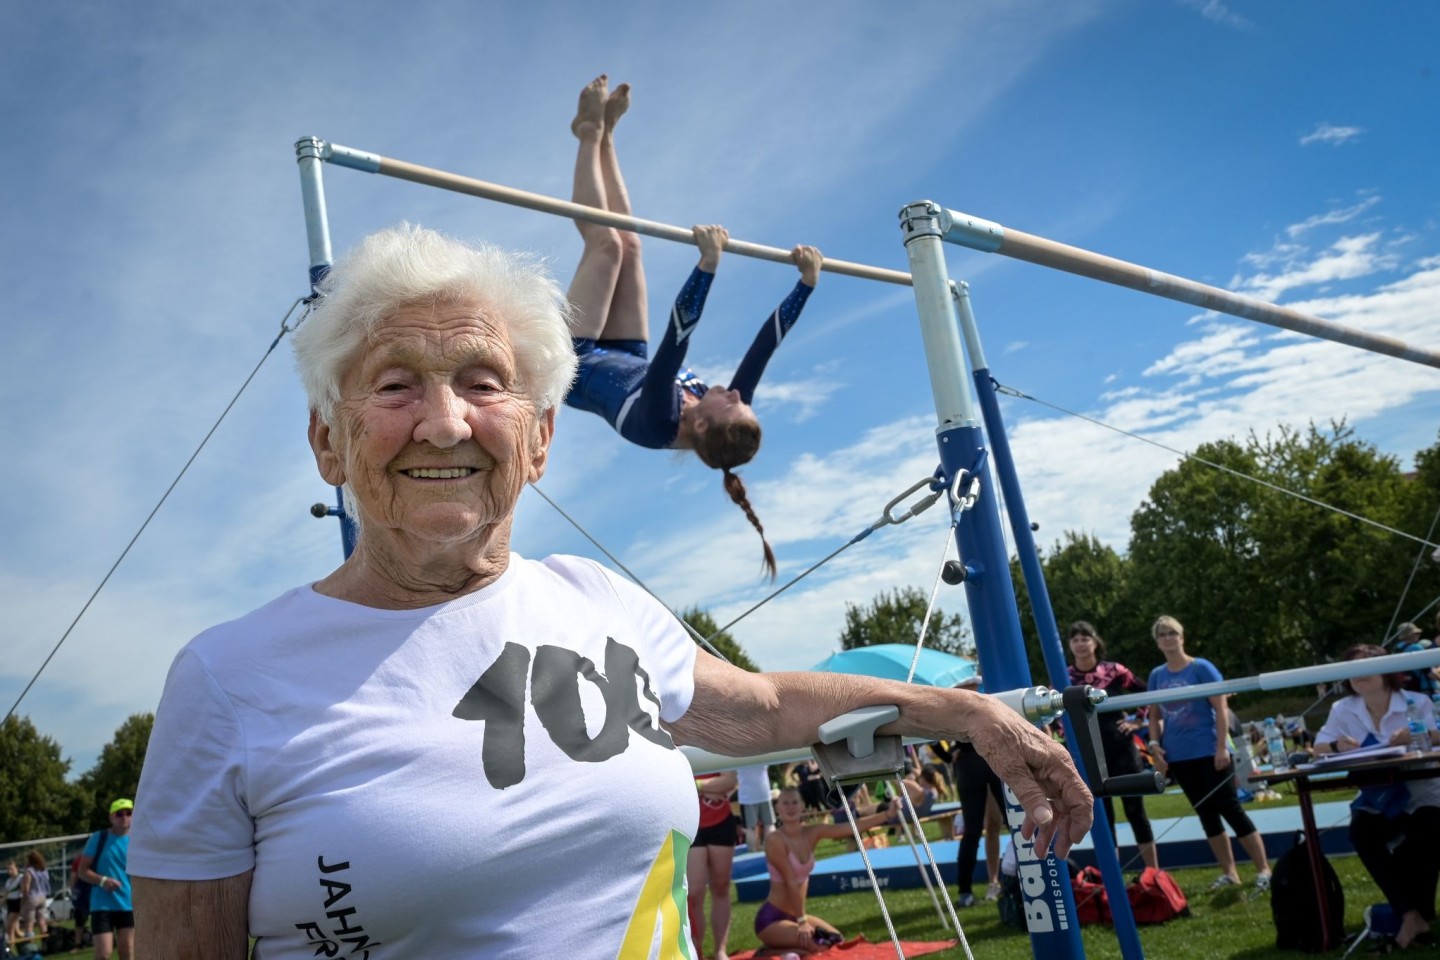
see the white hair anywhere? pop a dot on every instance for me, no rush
(407, 264)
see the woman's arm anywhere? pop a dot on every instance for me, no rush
(85, 870)
(721, 785)
(841, 831)
(188, 919)
(1221, 705)
(778, 324)
(740, 713)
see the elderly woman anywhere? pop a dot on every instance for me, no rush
(442, 748)
(1396, 832)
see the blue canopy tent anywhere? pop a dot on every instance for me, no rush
(891, 661)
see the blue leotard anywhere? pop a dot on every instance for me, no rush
(642, 399)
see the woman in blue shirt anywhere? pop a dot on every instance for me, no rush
(1188, 743)
(657, 402)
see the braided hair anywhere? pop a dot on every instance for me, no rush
(724, 446)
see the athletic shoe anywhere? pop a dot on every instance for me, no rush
(1225, 880)
(1262, 882)
(965, 900)
(992, 892)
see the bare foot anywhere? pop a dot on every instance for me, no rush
(1411, 926)
(591, 111)
(616, 104)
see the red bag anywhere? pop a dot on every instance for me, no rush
(1092, 905)
(1155, 897)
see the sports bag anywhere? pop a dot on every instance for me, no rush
(1155, 897)
(1298, 924)
(1092, 905)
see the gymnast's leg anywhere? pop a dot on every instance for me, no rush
(628, 316)
(593, 286)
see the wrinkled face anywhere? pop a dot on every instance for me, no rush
(432, 431)
(1082, 646)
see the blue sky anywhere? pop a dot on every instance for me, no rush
(154, 237)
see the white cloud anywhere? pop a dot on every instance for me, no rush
(1332, 134)
(1217, 12)
(1015, 346)
(1345, 259)
(1344, 215)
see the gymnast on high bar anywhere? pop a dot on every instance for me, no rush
(656, 402)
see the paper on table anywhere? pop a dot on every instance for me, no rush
(1364, 753)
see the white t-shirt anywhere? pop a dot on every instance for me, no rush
(1349, 718)
(482, 778)
(754, 783)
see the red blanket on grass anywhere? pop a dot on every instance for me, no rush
(858, 949)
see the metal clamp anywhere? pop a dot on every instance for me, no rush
(1080, 704)
(850, 751)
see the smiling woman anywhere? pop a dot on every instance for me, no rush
(440, 706)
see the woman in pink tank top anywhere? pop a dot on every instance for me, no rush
(790, 857)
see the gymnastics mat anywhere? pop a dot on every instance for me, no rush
(857, 949)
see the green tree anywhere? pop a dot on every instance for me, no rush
(36, 801)
(704, 624)
(117, 772)
(1196, 556)
(1264, 580)
(896, 617)
(1421, 518)
(1085, 580)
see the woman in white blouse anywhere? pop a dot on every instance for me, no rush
(1396, 830)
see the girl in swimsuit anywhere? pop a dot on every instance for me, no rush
(790, 856)
(654, 401)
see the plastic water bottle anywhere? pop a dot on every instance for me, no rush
(1275, 746)
(1419, 736)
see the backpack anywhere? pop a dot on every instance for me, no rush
(1092, 904)
(1155, 897)
(80, 893)
(1298, 924)
(1011, 901)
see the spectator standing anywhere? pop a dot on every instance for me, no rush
(112, 917)
(1117, 734)
(79, 896)
(755, 805)
(1187, 741)
(708, 865)
(12, 901)
(978, 786)
(34, 891)
(811, 784)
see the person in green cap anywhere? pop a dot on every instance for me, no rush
(103, 865)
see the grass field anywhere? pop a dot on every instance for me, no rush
(1233, 923)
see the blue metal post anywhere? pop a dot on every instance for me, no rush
(309, 154)
(1106, 854)
(1049, 903)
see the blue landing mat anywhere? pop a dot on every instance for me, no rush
(1181, 844)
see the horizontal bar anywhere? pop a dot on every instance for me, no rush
(705, 762)
(430, 177)
(1281, 679)
(987, 236)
